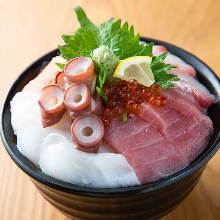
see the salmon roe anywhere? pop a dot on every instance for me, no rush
(128, 96)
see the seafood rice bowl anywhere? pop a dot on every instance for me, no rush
(110, 111)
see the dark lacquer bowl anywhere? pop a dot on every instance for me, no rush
(139, 202)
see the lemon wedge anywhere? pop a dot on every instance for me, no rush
(137, 68)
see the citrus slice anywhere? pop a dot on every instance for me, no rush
(137, 68)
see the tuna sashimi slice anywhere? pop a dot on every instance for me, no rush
(163, 117)
(182, 67)
(162, 140)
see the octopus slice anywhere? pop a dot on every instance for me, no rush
(87, 132)
(80, 69)
(51, 104)
(62, 80)
(96, 107)
(59, 79)
(77, 97)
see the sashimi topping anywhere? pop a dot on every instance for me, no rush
(60, 80)
(80, 69)
(191, 86)
(87, 131)
(51, 104)
(47, 76)
(181, 66)
(95, 107)
(162, 140)
(77, 97)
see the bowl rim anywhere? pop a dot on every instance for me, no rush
(110, 192)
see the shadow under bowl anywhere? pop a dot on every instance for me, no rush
(137, 202)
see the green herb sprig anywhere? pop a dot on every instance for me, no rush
(101, 81)
(160, 69)
(120, 39)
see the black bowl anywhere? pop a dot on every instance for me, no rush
(138, 202)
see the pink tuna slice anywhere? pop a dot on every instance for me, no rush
(165, 118)
(162, 140)
(182, 67)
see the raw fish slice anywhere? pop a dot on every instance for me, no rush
(189, 144)
(165, 117)
(170, 155)
(182, 67)
(31, 134)
(29, 139)
(157, 144)
(163, 167)
(153, 156)
(124, 137)
(195, 83)
(116, 170)
(61, 160)
(46, 77)
(186, 108)
(190, 85)
(180, 94)
(162, 117)
(158, 50)
(22, 105)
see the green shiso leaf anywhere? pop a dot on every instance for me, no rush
(160, 69)
(120, 39)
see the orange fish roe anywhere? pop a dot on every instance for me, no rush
(127, 96)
